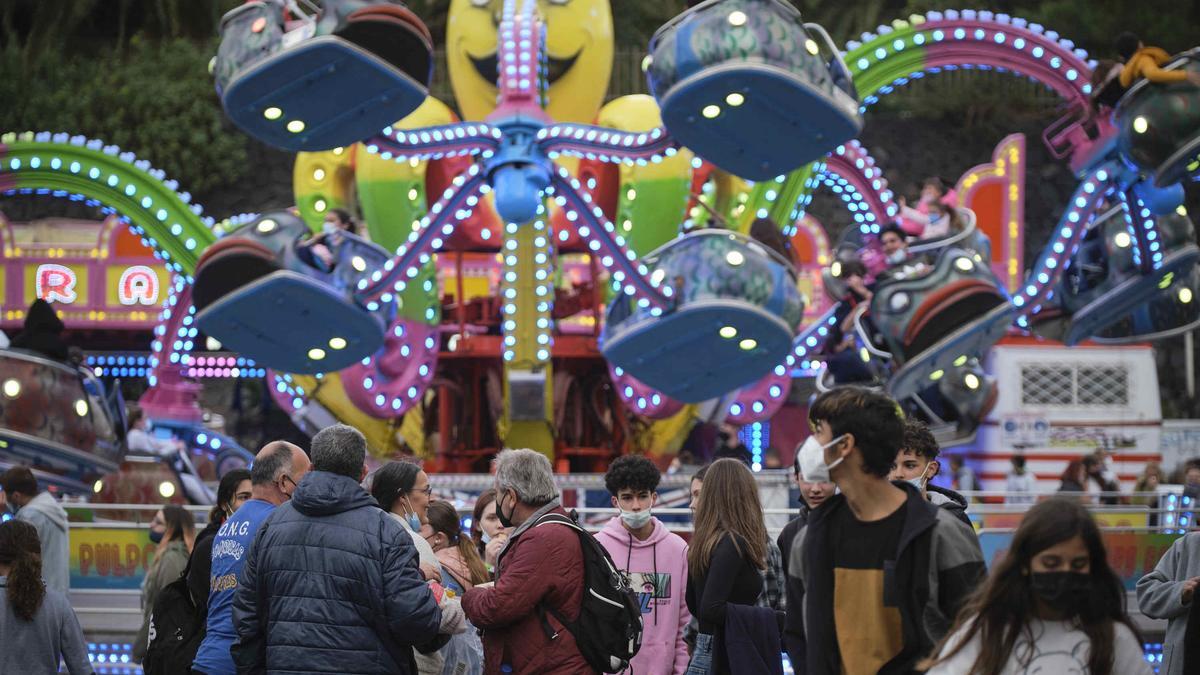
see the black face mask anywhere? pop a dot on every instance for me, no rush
(1065, 591)
(506, 521)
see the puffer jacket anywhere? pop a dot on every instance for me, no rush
(540, 565)
(336, 580)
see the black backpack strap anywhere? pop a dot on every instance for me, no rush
(542, 608)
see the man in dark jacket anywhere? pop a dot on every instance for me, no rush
(539, 568)
(917, 462)
(333, 577)
(883, 571)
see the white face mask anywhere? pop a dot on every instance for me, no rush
(635, 519)
(328, 227)
(898, 256)
(919, 481)
(811, 456)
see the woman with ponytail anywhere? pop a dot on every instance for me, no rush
(454, 549)
(39, 620)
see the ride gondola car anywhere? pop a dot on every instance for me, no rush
(323, 81)
(750, 87)
(259, 294)
(735, 314)
(1104, 288)
(57, 417)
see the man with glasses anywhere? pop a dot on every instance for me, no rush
(277, 469)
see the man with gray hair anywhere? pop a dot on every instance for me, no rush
(333, 577)
(277, 468)
(539, 576)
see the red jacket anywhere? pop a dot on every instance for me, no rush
(543, 564)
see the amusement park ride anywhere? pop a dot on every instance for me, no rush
(581, 279)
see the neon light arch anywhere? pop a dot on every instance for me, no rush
(895, 55)
(166, 219)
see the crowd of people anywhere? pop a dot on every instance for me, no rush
(308, 563)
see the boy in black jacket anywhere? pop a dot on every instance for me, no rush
(882, 571)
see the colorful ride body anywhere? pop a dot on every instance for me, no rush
(1159, 125)
(54, 416)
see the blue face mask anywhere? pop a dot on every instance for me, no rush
(485, 538)
(413, 520)
(156, 536)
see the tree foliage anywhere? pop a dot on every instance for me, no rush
(155, 99)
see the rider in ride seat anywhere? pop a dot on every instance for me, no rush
(320, 250)
(1142, 61)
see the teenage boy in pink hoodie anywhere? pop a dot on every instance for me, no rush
(655, 562)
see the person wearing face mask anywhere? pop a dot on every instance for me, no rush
(320, 250)
(894, 243)
(1052, 604)
(917, 463)
(653, 560)
(179, 614)
(486, 531)
(882, 571)
(812, 495)
(403, 490)
(276, 471)
(539, 577)
(174, 531)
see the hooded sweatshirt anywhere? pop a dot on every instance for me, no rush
(50, 520)
(657, 570)
(945, 498)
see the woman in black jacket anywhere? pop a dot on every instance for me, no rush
(726, 557)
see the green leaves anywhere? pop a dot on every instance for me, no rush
(154, 99)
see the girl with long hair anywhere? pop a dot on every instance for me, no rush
(487, 532)
(37, 625)
(1051, 605)
(453, 549)
(174, 530)
(726, 557)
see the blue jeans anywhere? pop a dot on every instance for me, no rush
(702, 656)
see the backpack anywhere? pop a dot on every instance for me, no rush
(608, 631)
(176, 631)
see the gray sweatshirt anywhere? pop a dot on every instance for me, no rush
(1160, 596)
(50, 520)
(54, 632)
